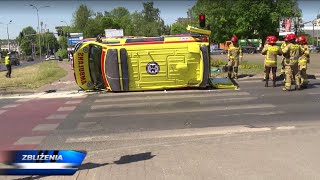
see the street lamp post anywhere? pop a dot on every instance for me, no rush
(39, 26)
(8, 34)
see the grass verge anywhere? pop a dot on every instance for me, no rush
(32, 77)
(245, 67)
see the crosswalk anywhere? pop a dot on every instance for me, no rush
(175, 102)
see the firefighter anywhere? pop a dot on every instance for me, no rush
(271, 51)
(303, 61)
(264, 65)
(286, 56)
(234, 54)
(294, 51)
(7, 62)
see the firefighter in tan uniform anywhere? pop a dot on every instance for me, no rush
(303, 61)
(295, 51)
(271, 51)
(234, 54)
(286, 57)
(264, 65)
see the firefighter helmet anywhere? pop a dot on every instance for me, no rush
(302, 40)
(272, 39)
(287, 38)
(291, 37)
(234, 38)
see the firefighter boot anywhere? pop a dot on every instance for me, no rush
(235, 72)
(298, 87)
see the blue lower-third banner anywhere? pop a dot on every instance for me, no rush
(41, 162)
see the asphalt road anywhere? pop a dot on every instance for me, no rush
(255, 132)
(253, 106)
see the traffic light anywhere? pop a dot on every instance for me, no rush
(202, 21)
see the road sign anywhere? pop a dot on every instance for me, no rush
(74, 38)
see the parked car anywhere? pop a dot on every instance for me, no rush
(30, 58)
(314, 49)
(217, 51)
(59, 58)
(14, 59)
(51, 57)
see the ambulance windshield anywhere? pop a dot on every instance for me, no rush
(95, 66)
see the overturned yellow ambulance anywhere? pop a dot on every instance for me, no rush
(143, 63)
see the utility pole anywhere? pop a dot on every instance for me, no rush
(39, 31)
(8, 34)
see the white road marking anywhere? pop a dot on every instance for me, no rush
(314, 93)
(57, 116)
(169, 133)
(112, 100)
(248, 81)
(112, 94)
(23, 100)
(29, 140)
(62, 82)
(74, 102)
(155, 103)
(2, 111)
(45, 127)
(67, 108)
(84, 125)
(285, 127)
(11, 105)
(59, 94)
(173, 111)
(262, 113)
(266, 113)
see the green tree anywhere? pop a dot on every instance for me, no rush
(243, 18)
(150, 14)
(81, 17)
(137, 24)
(26, 39)
(178, 28)
(122, 19)
(50, 44)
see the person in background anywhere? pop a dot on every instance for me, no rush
(7, 62)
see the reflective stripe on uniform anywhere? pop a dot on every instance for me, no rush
(295, 47)
(233, 48)
(302, 60)
(6, 60)
(270, 61)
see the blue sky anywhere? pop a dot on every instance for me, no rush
(23, 15)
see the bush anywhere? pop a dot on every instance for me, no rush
(62, 52)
